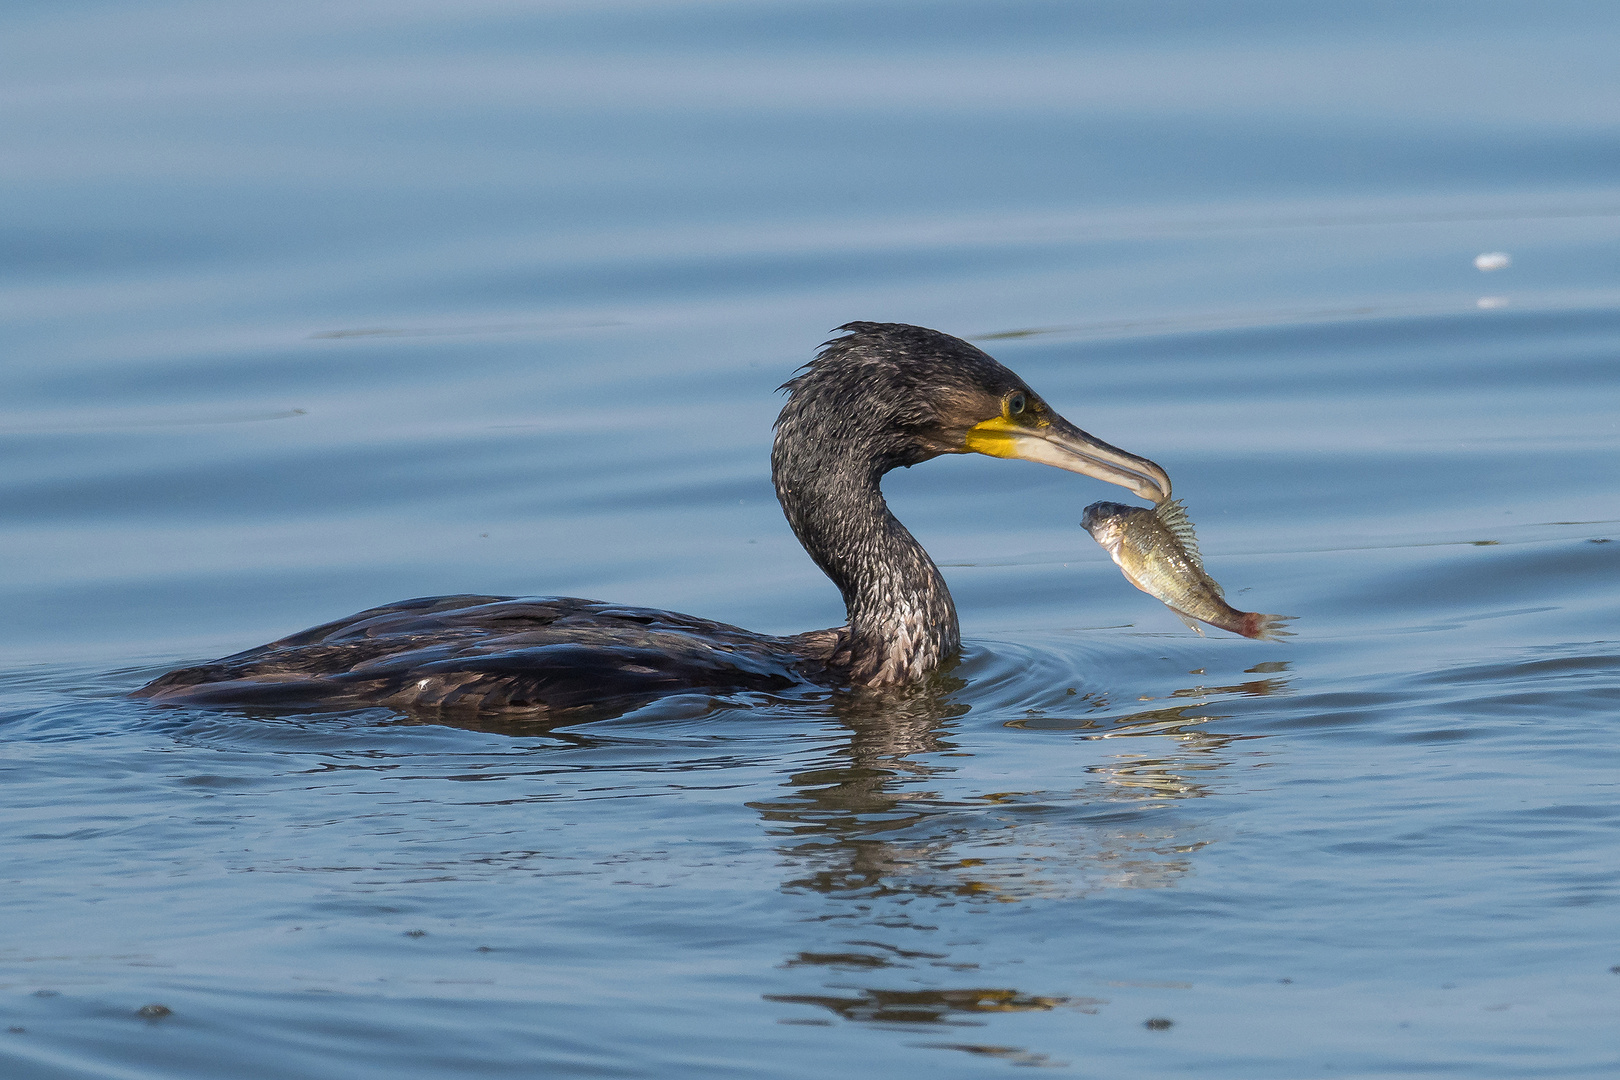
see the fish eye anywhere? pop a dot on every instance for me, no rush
(1014, 405)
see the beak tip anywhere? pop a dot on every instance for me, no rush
(1151, 483)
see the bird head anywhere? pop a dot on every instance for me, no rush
(897, 395)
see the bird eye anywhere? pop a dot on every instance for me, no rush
(1015, 403)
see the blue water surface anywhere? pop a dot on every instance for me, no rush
(313, 307)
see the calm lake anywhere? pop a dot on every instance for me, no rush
(311, 307)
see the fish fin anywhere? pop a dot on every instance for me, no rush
(1192, 624)
(1265, 627)
(1173, 515)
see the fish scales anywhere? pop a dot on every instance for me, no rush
(1158, 552)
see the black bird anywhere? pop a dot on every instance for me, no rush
(882, 396)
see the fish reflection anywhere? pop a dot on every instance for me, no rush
(1256, 688)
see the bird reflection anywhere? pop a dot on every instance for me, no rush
(872, 833)
(883, 830)
(955, 1007)
(871, 824)
(841, 817)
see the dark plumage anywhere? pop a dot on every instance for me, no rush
(883, 396)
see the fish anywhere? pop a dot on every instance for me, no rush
(1158, 552)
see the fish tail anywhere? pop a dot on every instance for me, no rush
(1265, 627)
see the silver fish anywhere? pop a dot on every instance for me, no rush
(1158, 552)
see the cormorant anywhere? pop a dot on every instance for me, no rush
(884, 395)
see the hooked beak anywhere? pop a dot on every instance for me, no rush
(1052, 440)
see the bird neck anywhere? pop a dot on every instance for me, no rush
(902, 623)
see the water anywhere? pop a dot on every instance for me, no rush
(314, 308)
